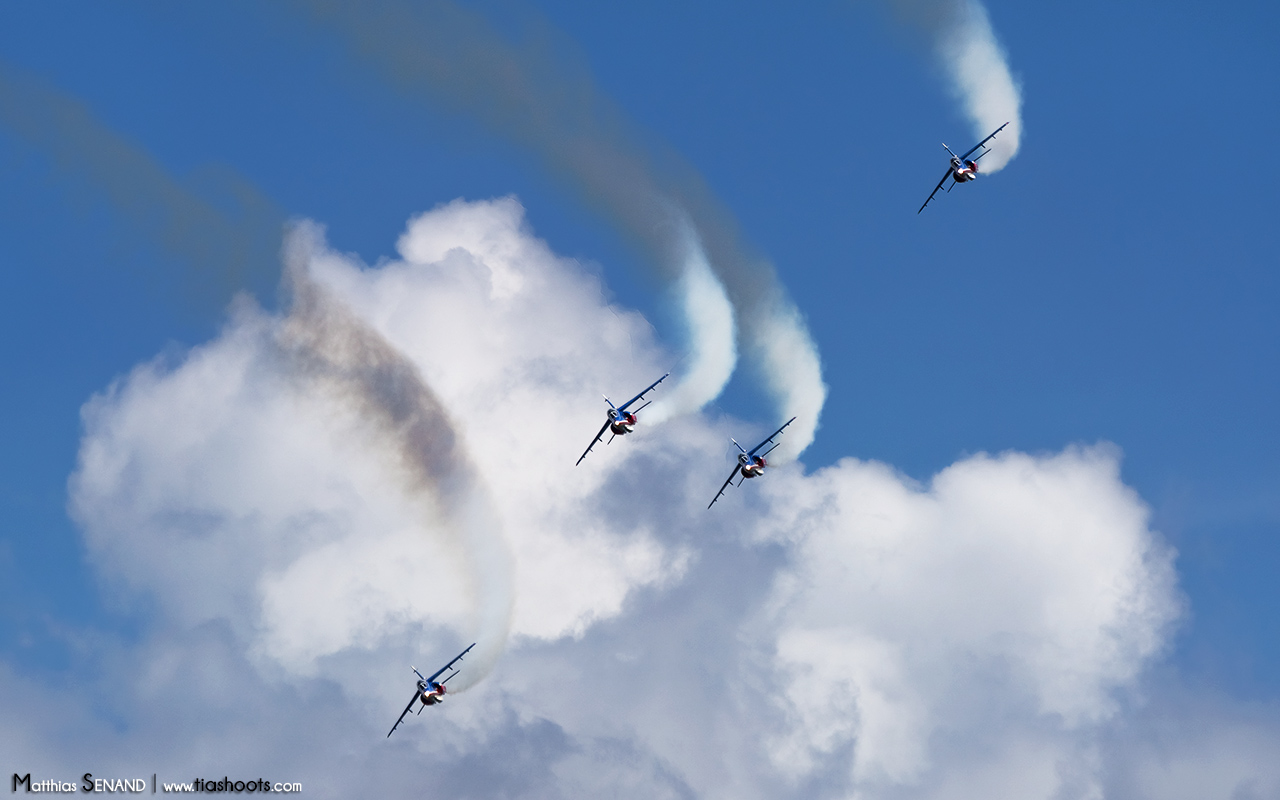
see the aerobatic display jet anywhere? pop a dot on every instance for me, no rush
(962, 169)
(428, 691)
(750, 464)
(620, 422)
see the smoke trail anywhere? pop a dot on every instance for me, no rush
(228, 245)
(233, 243)
(712, 349)
(359, 367)
(442, 53)
(978, 69)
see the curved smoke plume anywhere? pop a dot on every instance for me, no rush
(712, 346)
(442, 53)
(350, 361)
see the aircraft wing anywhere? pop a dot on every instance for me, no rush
(455, 660)
(403, 713)
(753, 450)
(594, 441)
(936, 188)
(980, 144)
(714, 499)
(640, 396)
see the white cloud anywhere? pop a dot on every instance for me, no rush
(232, 487)
(1195, 743)
(842, 633)
(1028, 583)
(1232, 761)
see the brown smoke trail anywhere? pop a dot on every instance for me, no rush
(353, 363)
(226, 246)
(440, 52)
(241, 243)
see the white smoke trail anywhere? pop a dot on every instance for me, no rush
(708, 315)
(346, 358)
(978, 69)
(793, 374)
(980, 74)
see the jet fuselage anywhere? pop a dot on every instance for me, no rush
(622, 425)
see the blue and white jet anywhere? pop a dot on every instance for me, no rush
(962, 169)
(428, 691)
(750, 464)
(620, 422)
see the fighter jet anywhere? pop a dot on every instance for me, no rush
(750, 464)
(618, 420)
(962, 169)
(428, 691)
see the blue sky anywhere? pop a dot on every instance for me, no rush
(1116, 282)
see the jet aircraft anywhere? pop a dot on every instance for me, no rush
(750, 464)
(428, 691)
(620, 422)
(961, 168)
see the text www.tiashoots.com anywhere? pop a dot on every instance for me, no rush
(227, 785)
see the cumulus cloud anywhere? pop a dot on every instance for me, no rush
(846, 632)
(1028, 585)
(1189, 745)
(306, 443)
